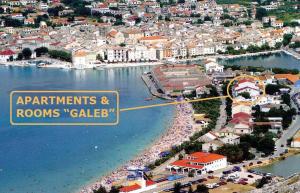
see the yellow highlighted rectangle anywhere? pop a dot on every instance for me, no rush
(61, 92)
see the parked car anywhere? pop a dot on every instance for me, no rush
(210, 177)
(250, 176)
(259, 162)
(222, 183)
(236, 169)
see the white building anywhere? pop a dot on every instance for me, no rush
(296, 143)
(199, 163)
(212, 66)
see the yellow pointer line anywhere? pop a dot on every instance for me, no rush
(171, 103)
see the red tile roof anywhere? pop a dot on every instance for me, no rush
(130, 188)
(7, 52)
(149, 183)
(186, 164)
(199, 158)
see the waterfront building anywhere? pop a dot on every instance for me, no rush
(173, 80)
(6, 55)
(199, 163)
(212, 66)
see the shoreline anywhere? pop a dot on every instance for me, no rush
(180, 129)
(68, 65)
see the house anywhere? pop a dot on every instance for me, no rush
(288, 78)
(29, 21)
(246, 85)
(140, 186)
(240, 108)
(207, 137)
(241, 123)
(83, 59)
(296, 142)
(152, 39)
(199, 163)
(6, 55)
(230, 139)
(212, 66)
(115, 37)
(212, 145)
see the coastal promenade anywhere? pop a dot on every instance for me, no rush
(180, 130)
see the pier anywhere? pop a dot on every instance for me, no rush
(152, 86)
(292, 53)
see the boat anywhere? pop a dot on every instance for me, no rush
(42, 64)
(148, 99)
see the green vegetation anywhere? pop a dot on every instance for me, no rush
(251, 49)
(201, 188)
(262, 142)
(295, 45)
(241, 2)
(272, 89)
(287, 39)
(26, 53)
(236, 153)
(260, 13)
(262, 69)
(246, 95)
(59, 54)
(177, 187)
(286, 12)
(102, 189)
(212, 110)
(41, 51)
(287, 115)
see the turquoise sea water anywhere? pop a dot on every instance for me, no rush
(278, 60)
(284, 168)
(61, 159)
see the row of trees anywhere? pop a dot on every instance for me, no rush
(61, 55)
(262, 69)
(251, 49)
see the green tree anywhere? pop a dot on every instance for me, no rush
(99, 57)
(26, 53)
(233, 153)
(177, 187)
(114, 190)
(260, 13)
(287, 39)
(190, 190)
(286, 98)
(246, 95)
(41, 51)
(201, 188)
(101, 189)
(262, 182)
(20, 56)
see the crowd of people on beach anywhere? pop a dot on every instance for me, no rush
(180, 130)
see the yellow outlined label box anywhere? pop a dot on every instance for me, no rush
(115, 95)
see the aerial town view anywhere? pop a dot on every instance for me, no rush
(150, 96)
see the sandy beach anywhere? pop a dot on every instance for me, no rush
(179, 131)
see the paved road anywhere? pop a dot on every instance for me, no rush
(290, 132)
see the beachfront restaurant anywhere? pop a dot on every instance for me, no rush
(198, 163)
